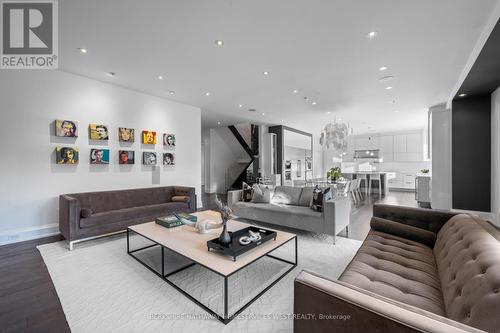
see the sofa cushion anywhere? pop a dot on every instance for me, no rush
(285, 209)
(287, 195)
(123, 215)
(306, 197)
(261, 194)
(399, 269)
(106, 201)
(403, 230)
(467, 252)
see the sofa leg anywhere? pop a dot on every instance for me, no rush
(334, 239)
(347, 231)
(70, 245)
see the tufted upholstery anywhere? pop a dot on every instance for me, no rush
(459, 278)
(399, 269)
(467, 253)
(431, 271)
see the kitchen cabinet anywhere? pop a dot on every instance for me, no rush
(414, 143)
(402, 180)
(366, 142)
(400, 143)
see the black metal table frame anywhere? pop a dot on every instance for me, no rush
(226, 318)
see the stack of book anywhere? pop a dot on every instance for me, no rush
(171, 221)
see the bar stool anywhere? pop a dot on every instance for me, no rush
(376, 178)
(363, 178)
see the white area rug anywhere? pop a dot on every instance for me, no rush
(103, 289)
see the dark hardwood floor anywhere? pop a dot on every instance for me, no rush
(28, 299)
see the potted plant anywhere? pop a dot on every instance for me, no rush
(334, 174)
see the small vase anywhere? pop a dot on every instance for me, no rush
(225, 237)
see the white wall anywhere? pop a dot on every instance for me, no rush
(30, 179)
(495, 156)
(223, 154)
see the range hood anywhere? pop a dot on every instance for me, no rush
(372, 154)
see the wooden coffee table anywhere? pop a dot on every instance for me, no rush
(188, 243)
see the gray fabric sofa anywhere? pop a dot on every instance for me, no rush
(91, 214)
(418, 270)
(290, 207)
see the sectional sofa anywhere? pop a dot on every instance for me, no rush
(290, 206)
(418, 270)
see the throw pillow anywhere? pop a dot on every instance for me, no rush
(246, 194)
(180, 198)
(261, 194)
(306, 197)
(86, 212)
(319, 197)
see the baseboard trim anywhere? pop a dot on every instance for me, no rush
(30, 233)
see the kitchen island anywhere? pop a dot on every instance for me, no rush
(368, 175)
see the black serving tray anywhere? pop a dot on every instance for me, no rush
(235, 249)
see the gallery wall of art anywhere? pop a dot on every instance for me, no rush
(31, 172)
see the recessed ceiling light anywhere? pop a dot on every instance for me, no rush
(383, 68)
(397, 111)
(240, 106)
(111, 74)
(386, 78)
(265, 73)
(82, 50)
(462, 95)
(388, 88)
(160, 77)
(372, 34)
(282, 120)
(218, 123)
(328, 112)
(219, 42)
(295, 91)
(171, 92)
(263, 114)
(314, 103)
(207, 94)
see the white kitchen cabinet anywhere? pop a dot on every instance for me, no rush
(409, 181)
(366, 142)
(386, 143)
(386, 146)
(414, 143)
(400, 143)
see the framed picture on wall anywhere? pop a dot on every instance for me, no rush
(149, 137)
(98, 132)
(66, 128)
(126, 134)
(169, 140)
(168, 159)
(99, 156)
(67, 155)
(126, 157)
(309, 163)
(149, 158)
(288, 175)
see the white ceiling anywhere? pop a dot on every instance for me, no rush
(318, 47)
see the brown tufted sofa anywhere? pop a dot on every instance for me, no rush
(418, 270)
(91, 214)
